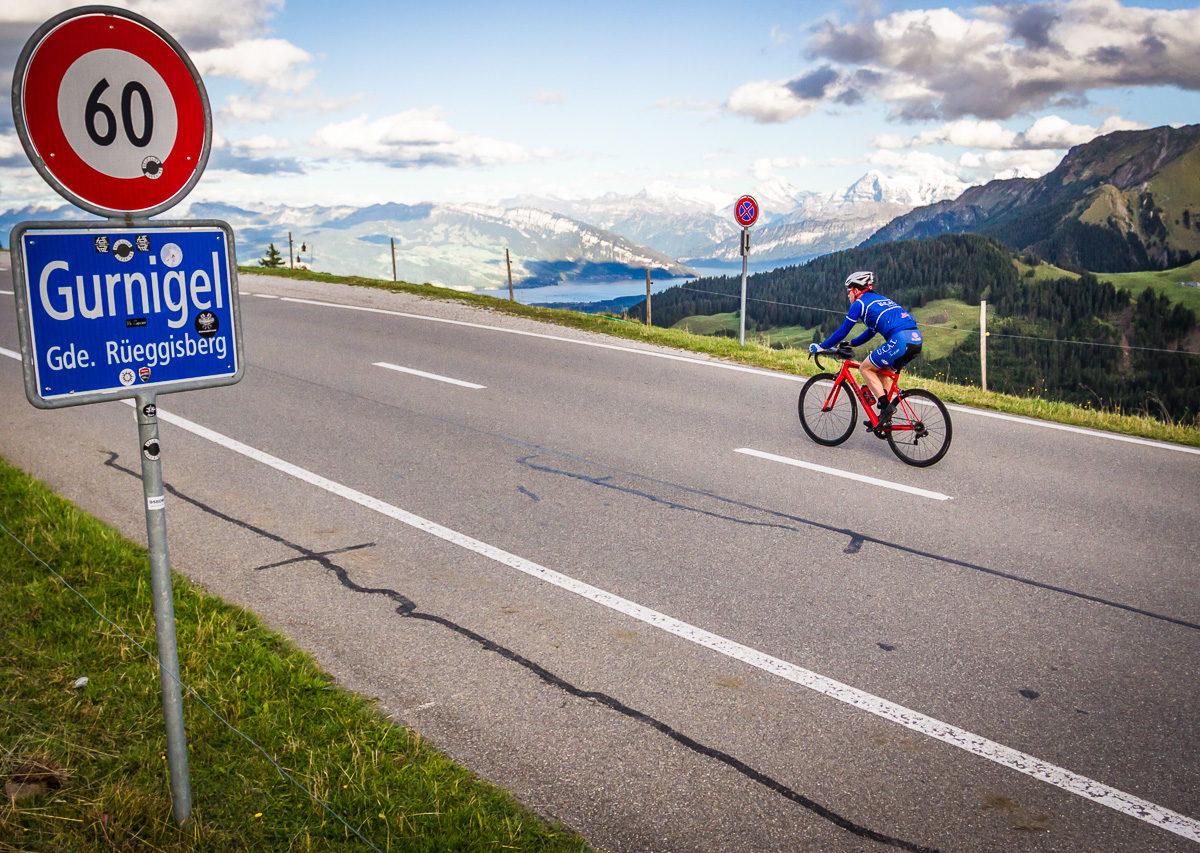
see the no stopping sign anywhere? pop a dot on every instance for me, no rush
(111, 111)
(746, 211)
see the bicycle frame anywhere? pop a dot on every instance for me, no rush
(845, 376)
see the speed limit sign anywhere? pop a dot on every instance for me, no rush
(111, 111)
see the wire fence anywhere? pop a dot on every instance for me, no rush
(191, 692)
(737, 298)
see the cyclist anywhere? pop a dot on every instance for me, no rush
(884, 317)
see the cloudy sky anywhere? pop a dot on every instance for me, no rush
(357, 101)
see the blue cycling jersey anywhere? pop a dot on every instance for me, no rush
(879, 314)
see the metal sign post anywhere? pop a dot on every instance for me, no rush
(164, 607)
(745, 258)
(112, 113)
(746, 214)
(108, 311)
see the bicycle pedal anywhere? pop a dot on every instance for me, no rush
(880, 431)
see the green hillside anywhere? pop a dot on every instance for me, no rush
(1124, 342)
(1163, 282)
(727, 325)
(946, 325)
(1126, 201)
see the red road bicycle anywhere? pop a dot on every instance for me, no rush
(919, 432)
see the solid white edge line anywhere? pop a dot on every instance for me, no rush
(425, 375)
(668, 356)
(1068, 428)
(1163, 445)
(1074, 783)
(7, 292)
(835, 472)
(10, 353)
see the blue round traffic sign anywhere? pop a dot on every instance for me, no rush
(746, 211)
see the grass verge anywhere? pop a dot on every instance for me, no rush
(91, 760)
(794, 361)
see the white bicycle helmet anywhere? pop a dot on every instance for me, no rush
(861, 280)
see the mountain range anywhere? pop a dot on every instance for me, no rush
(795, 225)
(1126, 201)
(553, 240)
(459, 246)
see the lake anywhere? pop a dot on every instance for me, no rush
(599, 291)
(585, 291)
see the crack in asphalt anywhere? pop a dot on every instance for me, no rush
(786, 518)
(407, 608)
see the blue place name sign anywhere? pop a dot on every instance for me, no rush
(109, 312)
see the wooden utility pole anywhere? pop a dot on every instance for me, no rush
(983, 345)
(508, 263)
(291, 265)
(647, 296)
(393, 260)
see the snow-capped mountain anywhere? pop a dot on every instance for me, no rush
(824, 223)
(451, 245)
(552, 240)
(660, 216)
(795, 224)
(876, 187)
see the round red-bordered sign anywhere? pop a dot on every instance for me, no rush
(746, 211)
(111, 111)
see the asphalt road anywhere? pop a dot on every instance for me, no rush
(576, 580)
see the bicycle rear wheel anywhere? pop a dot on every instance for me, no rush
(921, 431)
(827, 412)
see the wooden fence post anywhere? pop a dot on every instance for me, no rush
(508, 263)
(393, 260)
(647, 296)
(290, 264)
(983, 345)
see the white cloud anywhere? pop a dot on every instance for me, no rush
(262, 142)
(417, 138)
(964, 133)
(911, 163)
(987, 63)
(226, 41)
(239, 108)
(21, 185)
(1055, 132)
(268, 63)
(32, 11)
(263, 106)
(1114, 123)
(259, 156)
(10, 146)
(769, 101)
(1048, 132)
(197, 26)
(993, 165)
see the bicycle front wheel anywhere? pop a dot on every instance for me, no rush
(921, 431)
(827, 411)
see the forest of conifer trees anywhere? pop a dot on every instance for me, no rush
(1075, 339)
